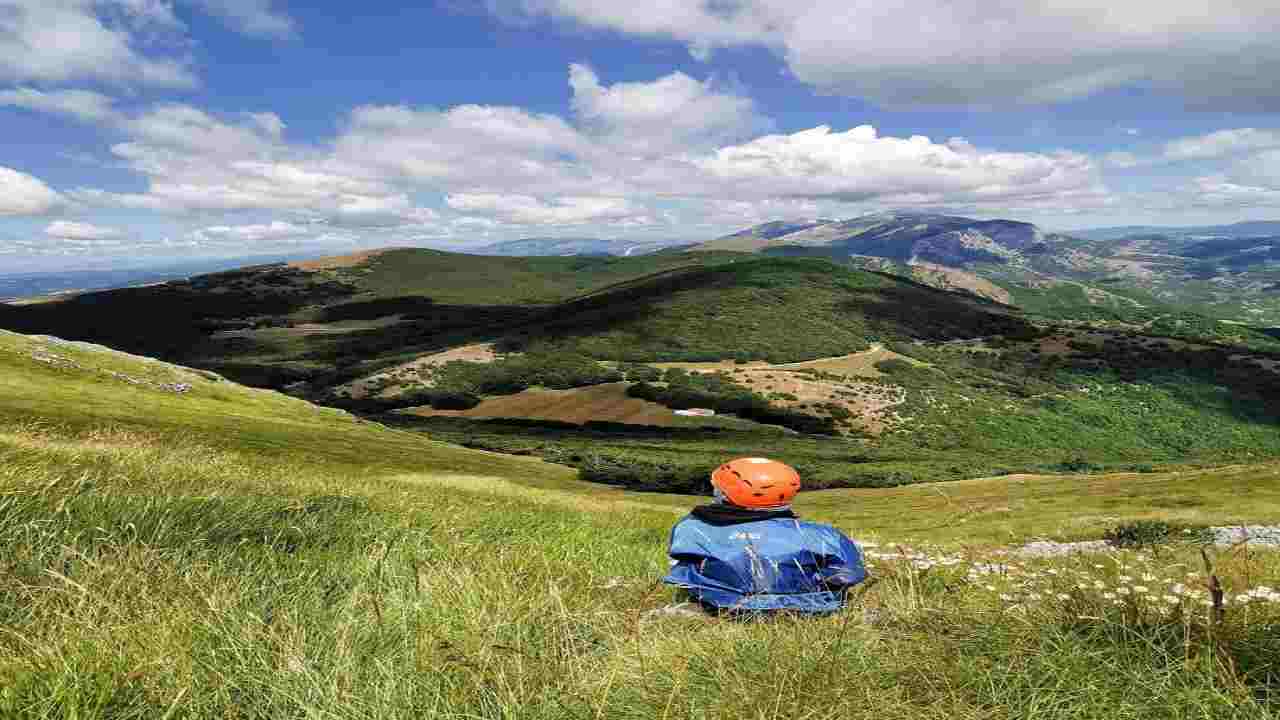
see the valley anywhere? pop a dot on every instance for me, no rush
(866, 377)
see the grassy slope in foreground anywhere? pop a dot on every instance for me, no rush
(233, 553)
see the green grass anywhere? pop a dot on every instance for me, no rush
(452, 278)
(235, 553)
(966, 415)
(776, 309)
(397, 302)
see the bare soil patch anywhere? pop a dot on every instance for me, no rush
(788, 385)
(395, 378)
(859, 364)
(953, 279)
(870, 404)
(1128, 266)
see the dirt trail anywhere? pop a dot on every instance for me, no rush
(858, 363)
(480, 352)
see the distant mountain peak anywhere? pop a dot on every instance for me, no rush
(899, 235)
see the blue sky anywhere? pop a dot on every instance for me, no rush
(140, 131)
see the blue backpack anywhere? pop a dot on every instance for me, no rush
(733, 559)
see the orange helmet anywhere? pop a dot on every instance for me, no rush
(757, 483)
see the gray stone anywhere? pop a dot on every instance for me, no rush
(1263, 535)
(684, 610)
(1048, 548)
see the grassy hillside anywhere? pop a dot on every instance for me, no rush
(456, 279)
(988, 391)
(277, 324)
(778, 309)
(223, 552)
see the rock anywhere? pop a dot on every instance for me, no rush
(1264, 535)
(1048, 548)
(684, 609)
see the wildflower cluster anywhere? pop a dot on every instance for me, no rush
(1262, 593)
(915, 558)
(1130, 580)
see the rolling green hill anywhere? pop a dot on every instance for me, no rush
(273, 325)
(778, 309)
(985, 389)
(457, 279)
(276, 324)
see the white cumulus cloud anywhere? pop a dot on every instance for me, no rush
(528, 210)
(22, 194)
(469, 148)
(195, 161)
(81, 104)
(974, 52)
(251, 17)
(241, 234)
(132, 43)
(860, 164)
(672, 113)
(1221, 143)
(68, 230)
(1230, 144)
(126, 42)
(1261, 169)
(624, 157)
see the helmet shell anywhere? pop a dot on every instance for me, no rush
(758, 483)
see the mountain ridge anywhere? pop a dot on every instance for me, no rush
(1129, 277)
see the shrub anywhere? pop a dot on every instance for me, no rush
(720, 393)
(1076, 465)
(641, 473)
(1141, 533)
(454, 401)
(837, 412)
(637, 372)
(894, 366)
(510, 375)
